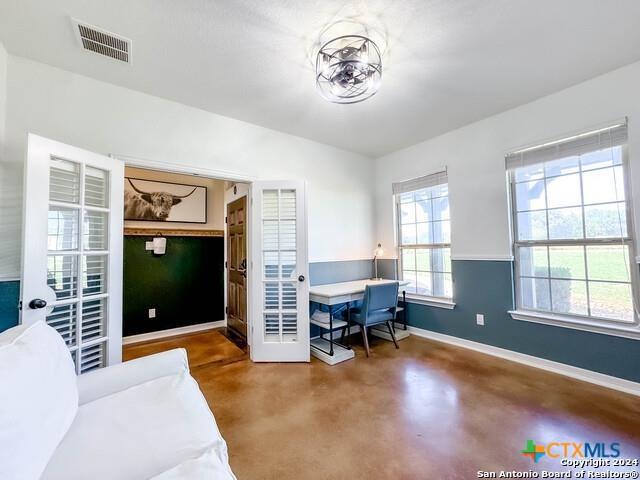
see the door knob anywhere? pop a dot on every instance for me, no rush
(301, 278)
(37, 303)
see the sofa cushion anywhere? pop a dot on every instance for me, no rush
(138, 433)
(38, 399)
(205, 467)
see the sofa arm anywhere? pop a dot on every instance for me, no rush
(103, 382)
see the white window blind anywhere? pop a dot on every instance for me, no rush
(599, 139)
(431, 180)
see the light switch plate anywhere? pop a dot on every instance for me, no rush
(480, 319)
(148, 245)
(152, 313)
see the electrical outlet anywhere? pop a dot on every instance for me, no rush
(480, 319)
(152, 313)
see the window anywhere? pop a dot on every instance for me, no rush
(424, 235)
(573, 240)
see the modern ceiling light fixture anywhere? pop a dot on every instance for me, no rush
(348, 69)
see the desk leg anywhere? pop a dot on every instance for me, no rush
(331, 330)
(349, 323)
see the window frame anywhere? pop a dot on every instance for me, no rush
(584, 322)
(431, 300)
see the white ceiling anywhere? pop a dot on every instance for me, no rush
(448, 62)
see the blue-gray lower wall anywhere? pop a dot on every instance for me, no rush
(9, 293)
(334, 272)
(487, 287)
(319, 273)
(480, 287)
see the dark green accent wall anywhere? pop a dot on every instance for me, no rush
(185, 286)
(487, 287)
(9, 297)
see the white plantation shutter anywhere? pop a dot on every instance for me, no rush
(279, 248)
(78, 235)
(73, 249)
(280, 306)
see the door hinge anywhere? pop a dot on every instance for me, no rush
(225, 264)
(226, 310)
(225, 219)
(20, 305)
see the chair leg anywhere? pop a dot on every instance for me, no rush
(393, 337)
(346, 330)
(365, 340)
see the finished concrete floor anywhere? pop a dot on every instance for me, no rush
(426, 411)
(203, 348)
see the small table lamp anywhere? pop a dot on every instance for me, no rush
(376, 253)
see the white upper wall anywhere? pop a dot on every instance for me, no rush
(4, 59)
(474, 157)
(113, 120)
(8, 201)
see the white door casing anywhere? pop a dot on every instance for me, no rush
(72, 244)
(239, 190)
(279, 275)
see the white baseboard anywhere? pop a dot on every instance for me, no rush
(596, 378)
(145, 337)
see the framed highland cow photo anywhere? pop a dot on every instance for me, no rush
(149, 200)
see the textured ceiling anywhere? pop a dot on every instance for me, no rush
(447, 62)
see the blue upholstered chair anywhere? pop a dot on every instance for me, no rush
(378, 306)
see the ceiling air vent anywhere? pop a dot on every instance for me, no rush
(100, 41)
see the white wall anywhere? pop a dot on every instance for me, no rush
(108, 119)
(10, 181)
(4, 59)
(474, 157)
(215, 199)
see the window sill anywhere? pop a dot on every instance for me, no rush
(431, 301)
(626, 331)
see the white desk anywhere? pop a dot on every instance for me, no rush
(343, 292)
(328, 350)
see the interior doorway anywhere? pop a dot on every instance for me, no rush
(176, 264)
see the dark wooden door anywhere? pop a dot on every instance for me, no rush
(237, 265)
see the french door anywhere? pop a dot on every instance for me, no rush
(72, 249)
(279, 274)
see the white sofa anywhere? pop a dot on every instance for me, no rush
(143, 419)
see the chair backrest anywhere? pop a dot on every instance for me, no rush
(380, 297)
